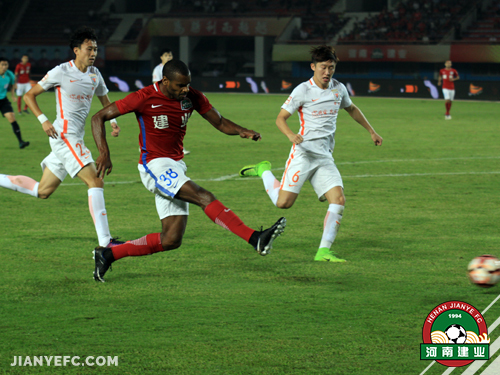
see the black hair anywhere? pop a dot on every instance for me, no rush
(3, 59)
(165, 50)
(174, 67)
(81, 35)
(323, 53)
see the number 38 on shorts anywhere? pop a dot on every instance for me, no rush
(169, 176)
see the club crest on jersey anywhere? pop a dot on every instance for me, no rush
(186, 104)
(93, 78)
(335, 94)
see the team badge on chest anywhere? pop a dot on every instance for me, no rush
(186, 104)
(93, 79)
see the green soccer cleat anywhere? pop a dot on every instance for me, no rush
(325, 255)
(255, 170)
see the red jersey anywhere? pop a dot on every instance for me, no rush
(23, 72)
(162, 121)
(446, 74)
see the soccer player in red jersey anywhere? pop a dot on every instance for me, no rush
(162, 111)
(22, 73)
(448, 76)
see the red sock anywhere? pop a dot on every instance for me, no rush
(448, 107)
(146, 245)
(19, 104)
(226, 218)
(25, 106)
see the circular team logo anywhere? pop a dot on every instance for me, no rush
(455, 334)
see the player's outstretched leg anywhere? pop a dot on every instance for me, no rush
(260, 240)
(331, 228)
(263, 170)
(22, 184)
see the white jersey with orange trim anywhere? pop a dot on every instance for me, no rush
(158, 73)
(74, 93)
(318, 110)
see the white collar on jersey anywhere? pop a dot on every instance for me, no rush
(330, 84)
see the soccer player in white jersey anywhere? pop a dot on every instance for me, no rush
(75, 84)
(317, 102)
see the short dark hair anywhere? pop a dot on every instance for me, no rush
(174, 67)
(323, 53)
(165, 50)
(3, 59)
(81, 35)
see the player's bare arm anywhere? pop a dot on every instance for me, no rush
(282, 125)
(228, 127)
(103, 162)
(114, 125)
(30, 100)
(360, 118)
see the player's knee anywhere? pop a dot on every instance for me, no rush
(205, 198)
(169, 243)
(44, 194)
(284, 204)
(95, 183)
(340, 201)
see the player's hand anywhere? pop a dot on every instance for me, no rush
(377, 139)
(49, 129)
(254, 136)
(295, 138)
(116, 129)
(103, 165)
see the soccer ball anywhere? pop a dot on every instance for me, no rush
(484, 271)
(456, 334)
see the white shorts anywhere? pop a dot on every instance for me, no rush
(23, 88)
(321, 171)
(69, 155)
(449, 94)
(164, 177)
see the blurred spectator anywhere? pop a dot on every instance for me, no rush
(424, 20)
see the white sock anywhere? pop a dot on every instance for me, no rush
(272, 185)
(98, 211)
(22, 184)
(332, 224)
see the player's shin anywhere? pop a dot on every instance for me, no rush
(272, 186)
(17, 130)
(22, 184)
(332, 224)
(227, 219)
(146, 245)
(97, 209)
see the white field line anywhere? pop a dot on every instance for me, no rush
(235, 176)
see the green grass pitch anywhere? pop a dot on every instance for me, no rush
(417, 210)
